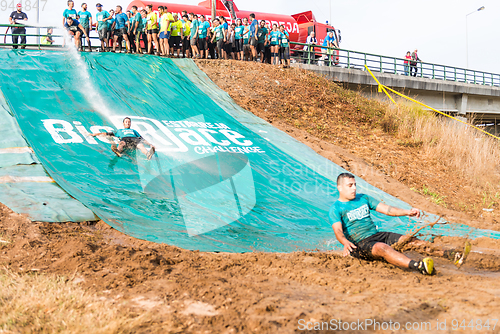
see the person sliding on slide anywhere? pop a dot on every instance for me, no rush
(129, 139)
(355, 230)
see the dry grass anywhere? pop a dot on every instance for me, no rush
(470, 153)
(47, 304)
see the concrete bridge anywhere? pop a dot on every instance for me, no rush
(478, 104)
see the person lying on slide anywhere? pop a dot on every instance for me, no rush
(129, 139)
(354, 229)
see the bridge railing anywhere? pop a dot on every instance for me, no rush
(320, 55)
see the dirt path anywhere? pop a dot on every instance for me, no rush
(255, 292)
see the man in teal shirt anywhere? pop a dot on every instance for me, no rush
(135, 29)
(102, 26)
(129, 139)
(354, 229)
(70, 12)
(85, 19)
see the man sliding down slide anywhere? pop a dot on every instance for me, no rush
(355, 230)
(129, 139)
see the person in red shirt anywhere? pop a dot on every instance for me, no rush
(407, 65)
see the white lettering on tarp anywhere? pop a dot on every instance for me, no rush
(203, 137)
(56, 132)
(359, 213)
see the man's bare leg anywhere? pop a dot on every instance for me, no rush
(386, 252)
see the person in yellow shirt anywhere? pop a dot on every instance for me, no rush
(165, 20)
(152, 29)
(186, 29)
(176, 33)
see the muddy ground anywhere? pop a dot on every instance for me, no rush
(194, 292)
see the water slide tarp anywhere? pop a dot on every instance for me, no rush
(25, 186)
(221, 180)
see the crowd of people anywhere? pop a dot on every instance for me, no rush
(172, 35)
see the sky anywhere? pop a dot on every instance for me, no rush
(436, 28)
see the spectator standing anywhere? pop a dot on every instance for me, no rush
(203, 28)
(254, 29)
(176, 36)
(152, 29)
(142, 29)
(267, 47)
(69, 12)
(102, 26)
(218, 37)
(230, 41)
(262, 40)
(285, 47)
(18, 15)
(329, 42)
(311, 41)
(186, 33)
(406, 62)
(212, 45)
(247, 51)
(121, 28)
(47, 39)
(110, 22)
(193, 37)
(275, 42)
(238, 35)
(413, 63)
(85, 19)
(134, 33)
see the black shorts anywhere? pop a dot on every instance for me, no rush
(228, 47)
(121, 32)
(152, 31)
(202, 43)
(365, 246)
(175, 41)
(260, 47)
(239, 45)
(103, 33)
(132, 142)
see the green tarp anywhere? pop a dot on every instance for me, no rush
(222, 179)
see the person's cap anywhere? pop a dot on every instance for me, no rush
(19, 5)
(98, 5)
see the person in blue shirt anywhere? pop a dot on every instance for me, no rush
(120, 29)
(110, 23)
(69, 12)
(254, 29)
(285, 47)
(354, 228)
(203, 27)
(129, 139)
(330, 43)
(76, 30)
(238, 35)
(85, 19)
(275, 41)
(101, 26)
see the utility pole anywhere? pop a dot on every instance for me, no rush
(214, 6)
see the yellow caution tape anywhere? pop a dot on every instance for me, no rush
(384, 89)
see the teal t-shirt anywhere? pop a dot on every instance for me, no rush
(70, 13)
(219, 32)
(137, 18)
(261, 35)
(275, 37)
(99, 17)
(203, 29)
(238, 32)
(194, 28)
(246, 34)
(84, 18)
(284, 39)
(355, 217)
(110, 23)
(126, 133)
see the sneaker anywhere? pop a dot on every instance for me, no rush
(426, 266)
(150, 153)
(115, 150)
(460, 257)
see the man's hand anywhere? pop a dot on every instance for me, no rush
(414, 212)
(348, 248)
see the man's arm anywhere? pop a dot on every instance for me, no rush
(339, 234)
(109, 134)
(83, 29)
(397, 212)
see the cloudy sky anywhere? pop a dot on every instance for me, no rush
(436, 28)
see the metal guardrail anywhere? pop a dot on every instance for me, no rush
(320, 55)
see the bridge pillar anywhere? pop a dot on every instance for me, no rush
(462, 105)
